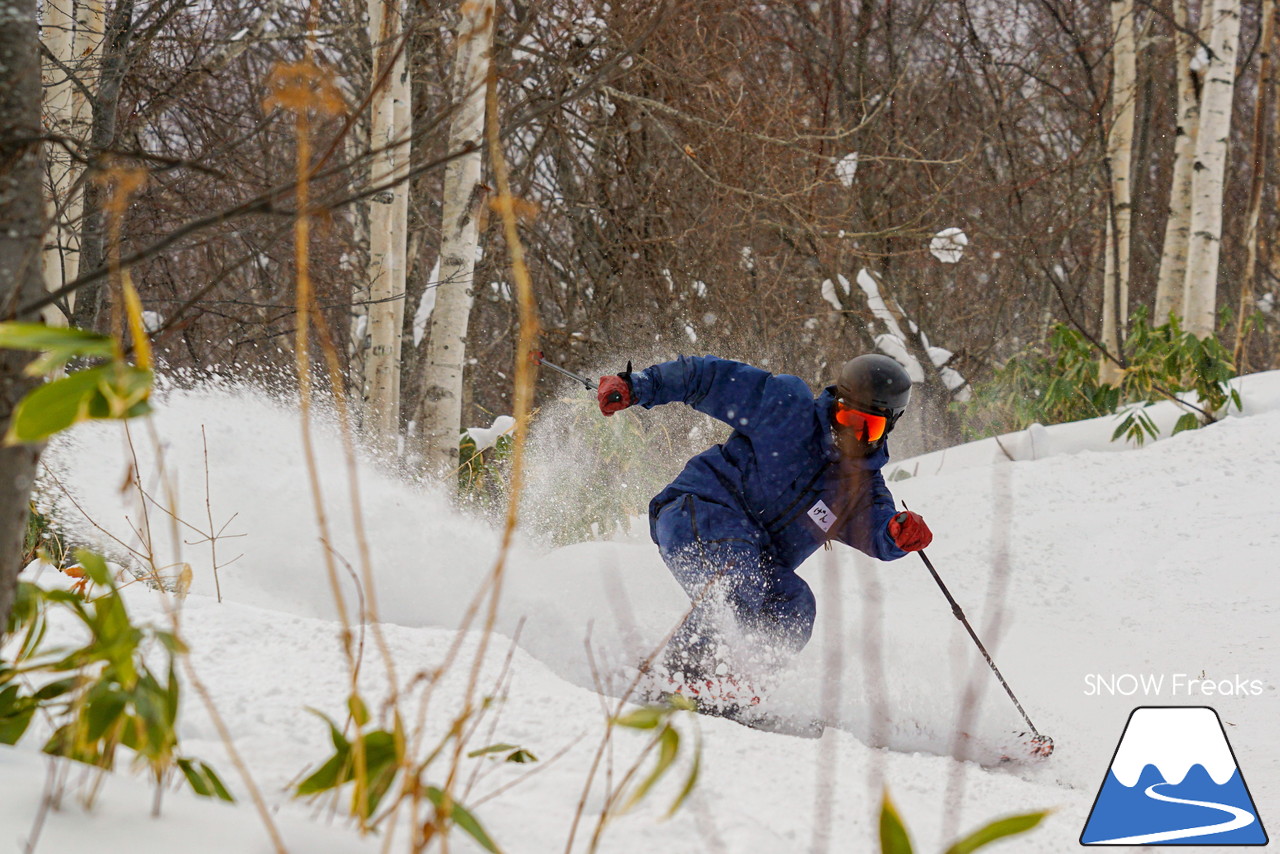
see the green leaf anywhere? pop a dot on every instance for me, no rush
(220, 789)
(330, 775)
(463, 819)
(13, 727)
(381, 761)
(172, 696)
(126, 389)
(199, 784)
(668, 749)
(999, 829)
(646, 717)
(54, 407)
(64, 597)
(57, 688)
(501, 747)
(58, 344)
(204, 780)
(26, 606)
(690, 782)
(1123, 428)
(117, 390)
(171, 642)
(9, 698)
(16, 712)
(103, 711)
(151, 701)
(359, 711)
(94, 566)
(522, 757)
(61, 743)
(682, 703)
(1188, 421)
(339, 740)
(893, 835)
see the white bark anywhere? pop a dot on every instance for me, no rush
(72, 33)
(440, 411)
(1200, 294)
(1115, 291)
(389, 140)
(58, 34)
(1171, 281)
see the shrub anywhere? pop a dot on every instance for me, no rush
(1060, 382)
(102, 696)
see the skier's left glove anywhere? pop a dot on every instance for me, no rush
(909, 531)
(615, 393)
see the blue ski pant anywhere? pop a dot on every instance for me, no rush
(718, 555)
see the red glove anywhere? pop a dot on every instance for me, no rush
(909, 531)
(614, 394)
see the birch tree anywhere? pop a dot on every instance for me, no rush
(1115, 291)
(21, 238)
(389, 142)
(1209, 173)
(1253, 214)
(1171, 281)
(440, 409)
(71, 34)
(59, 39)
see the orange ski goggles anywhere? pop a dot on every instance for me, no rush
(866, 426)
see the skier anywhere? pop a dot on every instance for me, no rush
(797, 472)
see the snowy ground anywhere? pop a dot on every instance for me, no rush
(1074, 563)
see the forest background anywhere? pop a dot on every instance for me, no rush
(966, 185)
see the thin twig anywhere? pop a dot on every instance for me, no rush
(208, 506)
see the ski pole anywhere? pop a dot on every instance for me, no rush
(1042, 744)
(536, 357)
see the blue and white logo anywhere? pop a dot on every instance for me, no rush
(1174, 780)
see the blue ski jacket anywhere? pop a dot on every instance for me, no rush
(780, 469)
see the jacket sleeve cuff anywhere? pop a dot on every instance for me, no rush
(642, 388)
(889, 550)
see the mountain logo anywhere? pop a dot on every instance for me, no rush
(1173, 780)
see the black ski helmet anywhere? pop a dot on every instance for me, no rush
(876, 384)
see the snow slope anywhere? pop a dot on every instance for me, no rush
(1079, 568)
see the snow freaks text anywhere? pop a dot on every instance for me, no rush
(1170, 684)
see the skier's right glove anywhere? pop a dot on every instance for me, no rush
(910, 532)
(614, 393)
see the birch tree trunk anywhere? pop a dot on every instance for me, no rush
(59, 261)
(1115, 291)
(1251, 237)
(389, 140)
(21, 240)
(1209, 174)
(440, 410)
(1172, 278)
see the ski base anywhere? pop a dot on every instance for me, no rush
(756, 719)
